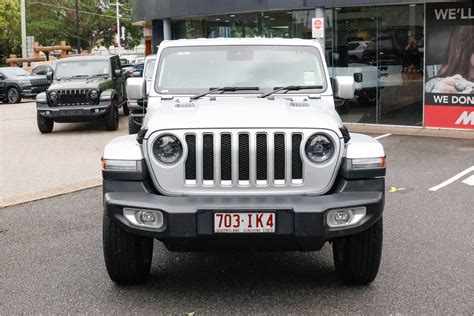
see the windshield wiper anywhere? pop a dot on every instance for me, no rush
(79, 76)
(289, 88)
(223, 89)
(98, 75)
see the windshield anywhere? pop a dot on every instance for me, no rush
(82, 68)
(149, 67)
(14, 72)
(199, 68)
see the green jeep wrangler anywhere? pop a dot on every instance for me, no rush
(84, 88)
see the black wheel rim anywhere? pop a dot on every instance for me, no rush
(12, 95)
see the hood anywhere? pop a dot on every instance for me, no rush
(29, 77)
(242, 112)
(81, 83)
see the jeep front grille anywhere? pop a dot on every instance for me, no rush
(243, 161)
(73, 97)
(261, 158)
(39, 82)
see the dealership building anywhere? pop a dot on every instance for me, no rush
(413, 61)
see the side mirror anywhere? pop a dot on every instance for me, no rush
(49, 76)
(118, 72)
(136, 88)
(344, 87)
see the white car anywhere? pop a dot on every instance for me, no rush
(356, 48)
(242, 149)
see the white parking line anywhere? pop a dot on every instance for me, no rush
(469, 181)
(452, 179)
(382, 136)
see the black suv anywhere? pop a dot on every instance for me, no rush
(84, 88)
(16, 83)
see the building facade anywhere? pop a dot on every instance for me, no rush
(413, 61)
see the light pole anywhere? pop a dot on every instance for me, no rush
(77, 28)
(23, 30)
(118, 27)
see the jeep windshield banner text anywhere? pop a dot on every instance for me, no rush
(449, 87)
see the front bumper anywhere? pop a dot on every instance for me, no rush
(300, 220)
(73, 113)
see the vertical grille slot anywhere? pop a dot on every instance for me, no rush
(226, 157)
(244, 157)
(279, 156)
(208, 157)
(191, 159)
(262, 158)
(296, 162)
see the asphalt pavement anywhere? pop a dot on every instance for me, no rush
(52, 259)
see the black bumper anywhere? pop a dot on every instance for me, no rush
(300, 220)
(74, 113)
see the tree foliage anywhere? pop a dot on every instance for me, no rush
(10, 30)
(51, 21)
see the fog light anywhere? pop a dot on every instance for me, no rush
(345, 216)
(144, 218)
(342, 217)
(48, 113)
(96, 110)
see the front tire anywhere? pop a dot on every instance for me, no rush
(13, 96)
(357, 257)
(127, 256)
(133, 127)
(45, 124)
(112, 119)
(125, 109)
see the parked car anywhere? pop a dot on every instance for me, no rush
(84, 88)
(242, 149)
(356, 49)
(138, 108)
(16, 83)
(42, 69)
(137, 69)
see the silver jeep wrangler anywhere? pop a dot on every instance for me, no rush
(242, 149)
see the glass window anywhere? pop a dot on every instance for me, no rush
(385, 45)
(14, 72)
(197, 69)
(82, 68)
(149, 67)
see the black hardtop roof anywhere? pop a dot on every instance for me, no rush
(88, 57)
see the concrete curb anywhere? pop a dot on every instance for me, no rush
(50, 192)
(410, 131)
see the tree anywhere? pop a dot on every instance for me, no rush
(10, 29)
(51, 21)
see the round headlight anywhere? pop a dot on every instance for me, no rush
(53, 95)
(167, 149)
(319, 148)
(93, 94)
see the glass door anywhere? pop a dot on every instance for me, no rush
(349, 52)
(400, 62)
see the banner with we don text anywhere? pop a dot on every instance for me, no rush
(449, 59)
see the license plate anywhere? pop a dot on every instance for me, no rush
(244, 222)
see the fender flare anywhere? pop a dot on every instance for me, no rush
(108, 95)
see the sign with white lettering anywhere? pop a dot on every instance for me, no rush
(449, 59)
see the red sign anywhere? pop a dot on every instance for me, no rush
(318, 24)
(318, 28)
(449, 116)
